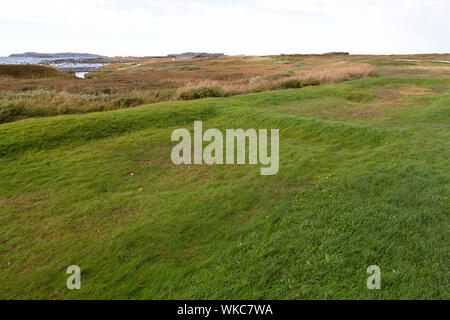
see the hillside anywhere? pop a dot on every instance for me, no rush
(364, 179)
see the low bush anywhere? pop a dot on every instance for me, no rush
(295, 83)
(19, 110)
(128, 102)
(202, 92)
(8, 113)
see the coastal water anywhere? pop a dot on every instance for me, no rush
(60, 63)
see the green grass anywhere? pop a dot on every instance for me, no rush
(348, 195)
(180, 67)
(395, 83)
(390, 63)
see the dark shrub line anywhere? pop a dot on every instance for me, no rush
(215, 92)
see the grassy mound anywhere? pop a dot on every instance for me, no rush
(28, 71)
(202, 92)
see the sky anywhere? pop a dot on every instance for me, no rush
(251, 27)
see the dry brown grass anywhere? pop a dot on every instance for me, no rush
(247, 78)
(338, 72)
(153, 80)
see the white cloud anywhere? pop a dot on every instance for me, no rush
(147, 27)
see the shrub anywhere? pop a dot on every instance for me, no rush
(310, 82)
(295, 83)
(202, 92)
(96, 91)
(10, 113)
(128, 102)
(282, 62)
(19, 110)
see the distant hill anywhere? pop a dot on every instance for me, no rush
(56, 55)
(195, 55)
(204, 54)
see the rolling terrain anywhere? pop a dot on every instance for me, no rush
(364, 179)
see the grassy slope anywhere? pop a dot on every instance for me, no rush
(29, 72)
(349, 193)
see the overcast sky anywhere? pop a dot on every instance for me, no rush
(150, 27)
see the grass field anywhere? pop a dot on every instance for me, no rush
(364, 179)
(149, 80)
